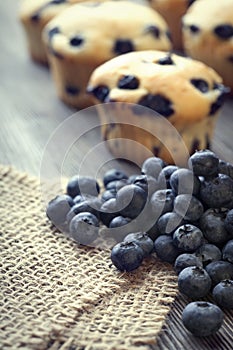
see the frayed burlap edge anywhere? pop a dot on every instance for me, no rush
(58, 295)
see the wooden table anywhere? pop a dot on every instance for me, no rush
(30, 114)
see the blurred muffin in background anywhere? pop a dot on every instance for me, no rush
(208, 35)
(87, 34)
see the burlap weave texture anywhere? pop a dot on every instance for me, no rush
(57, 295)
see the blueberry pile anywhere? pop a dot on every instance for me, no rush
(182, 215)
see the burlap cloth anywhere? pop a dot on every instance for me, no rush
(58, 295)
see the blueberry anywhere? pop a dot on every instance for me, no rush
(224, 31)
(212, 225)
(168, 222)
(167, 60)
(91, 205)
(123, 46)
(148, 183)
(154, 30)
(153, 231)
(120, 227)
(194, 282)
(208, 253)
(219, 271)
(157, 103)
(76, 41)
(223, 294)
(100, 92)
(72, 90)
(116, 185)
(79, 198)
(227, 251)
(84, 228)
(200, 84)
(165, 174)
(184, 181)
(188, 206)
(119, 221)
(131, 199)
(202, 318)
(57, 210)
(152, 166)
(217, 192)
(128, 82)
(108, 194)
(185, 260)
(127, 256)
(113, 175)
(204, 163)
(82, 185)
(225, 168)
(162, 201)
(165, 249)
(188, 238)
(143, 240)
(108, 211)
(228, 223)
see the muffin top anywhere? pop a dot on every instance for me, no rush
(97, 31)
(179, 88)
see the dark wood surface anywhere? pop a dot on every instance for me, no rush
(30, 116)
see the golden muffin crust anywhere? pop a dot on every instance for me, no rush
(208, 35)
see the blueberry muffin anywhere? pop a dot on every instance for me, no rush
(208, 35)
(143, 85)
(172, 11)
(90, 33)
(34, 15)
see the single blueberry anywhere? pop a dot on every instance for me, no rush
(108, 211)
(157, 103)
(72, 90)
(219, 271)
(169, 222)
(217, 192)
(131, 199)
(84, 228)
(119, 221)
(227, 251)
(204, 163)
(223, 294)
(57, 210)
(165, 174)
(82, 185)
(165, 249)
(184, 181)
(200, 84)
(194, 282)
(162, 201)
(113, 175)
(154, 30)
(225, 168)
(167, 60)
(188, 207)
(123, 46)
(143, 240)
(224, 31)
(208, 253)
(188, 238)
(185, 260)
(100, 92)
(148, 183)
(91, 205)
(152, 166)
(212, 225)
(108, 194)
(128, 82)
(202, 318)
(76, 41)
(119, 227)
(127, 256)
(228, 222)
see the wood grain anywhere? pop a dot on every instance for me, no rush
(31, 113)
